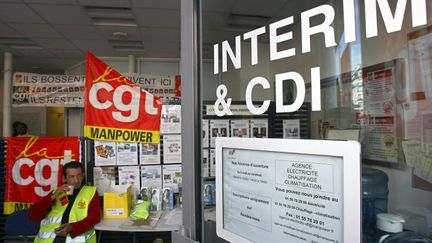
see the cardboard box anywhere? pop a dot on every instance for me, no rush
(118, 202)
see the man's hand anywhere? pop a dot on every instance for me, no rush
(64, 230)
(60, 190)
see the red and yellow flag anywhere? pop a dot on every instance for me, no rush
(34, 168)
(117, 109)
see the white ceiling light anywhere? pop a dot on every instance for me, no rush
(111, 16)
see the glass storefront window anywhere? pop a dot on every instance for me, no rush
(334, 69)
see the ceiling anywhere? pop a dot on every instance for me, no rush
(49, 36)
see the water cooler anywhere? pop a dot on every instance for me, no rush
(374, 200)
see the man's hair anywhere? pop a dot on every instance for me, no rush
(72, 165)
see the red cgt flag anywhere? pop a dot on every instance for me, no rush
(116, 109)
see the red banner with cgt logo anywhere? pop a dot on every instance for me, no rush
(117, 109)
(34, 168)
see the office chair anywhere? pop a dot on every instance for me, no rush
(19, 228)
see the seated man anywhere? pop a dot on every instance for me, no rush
(70, 212)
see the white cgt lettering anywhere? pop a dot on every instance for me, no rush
(131, 108)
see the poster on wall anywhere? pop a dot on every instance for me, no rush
(381, 141)
(105, 153)
(171, 149)
(205, 133)
(34, 168)
(212, 163)
(280, 190)
(240, 128)
(172, 176)
(259, 128)
(170, 119)
(291, 128)
(205, 168)
(218, 128)
(127, 153)
(116, 109)
(151, 176)
(104, 178)
(48, 90)
(149, 153)
(129, 175)
(420, 62)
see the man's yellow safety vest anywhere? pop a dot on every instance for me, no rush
(78, 212)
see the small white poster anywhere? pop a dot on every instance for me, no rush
(151, 176)
(129, 175)
(212, 163)
(172, 176)
(171, 149)
(291, 128)
(127, 153)
(205, 168)
(259, 128)
(105, 153)
(170, 119)
(150, 153)
(103, 178)
(218, 128)
(240, 128)
(205, 133)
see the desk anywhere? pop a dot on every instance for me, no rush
(169, 220)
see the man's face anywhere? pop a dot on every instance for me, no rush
(74, 176)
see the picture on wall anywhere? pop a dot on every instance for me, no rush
(218, 128)
(291, 128)
(104, 178)
(212, 163)
(205, 168)
(105, 153)
(170, 119)
(259, 128)
(205, 133)
(127, 153)
(149, 153)
(151, 176)
(172, 176)
(171, 149)
(240, 128)
(129, 175)
(209, 192)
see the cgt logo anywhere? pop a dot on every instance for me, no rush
(123, 111)
(26, 170)
(51, 165)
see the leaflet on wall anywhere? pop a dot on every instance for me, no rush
(259, 128)
(240, 128)
(291, 128)
(212, 163)
(105, 153)
(167, 198)
(171, 149)
(218, 128)
(205, 133)
(420, 59)
(172, 176)
(205, 168)
(380, 141)
(127, 153)
(151, 176)
(209, 192)
(104, 178)
(129, 175)
(149, 153)
(170, 119)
